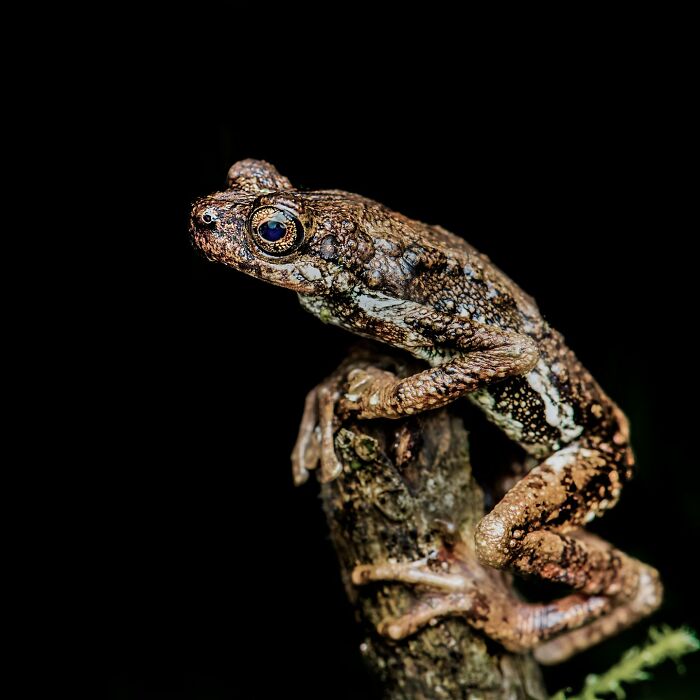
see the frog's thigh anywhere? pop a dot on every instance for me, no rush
(385, 396)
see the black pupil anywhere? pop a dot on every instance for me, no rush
(272, 230)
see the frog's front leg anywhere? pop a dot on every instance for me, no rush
(490, 356)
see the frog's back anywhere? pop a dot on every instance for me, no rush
(551, 406)
(422, 263)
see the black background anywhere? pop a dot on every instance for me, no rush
(218, 578)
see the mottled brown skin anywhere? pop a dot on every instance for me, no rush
(361, 266)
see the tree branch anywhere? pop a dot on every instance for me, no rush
(406, 488)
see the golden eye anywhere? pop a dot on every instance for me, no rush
(275, 231)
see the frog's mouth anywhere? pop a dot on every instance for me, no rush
(299, 274)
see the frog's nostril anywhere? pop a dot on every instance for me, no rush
(208, 217)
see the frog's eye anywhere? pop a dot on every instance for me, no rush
(275, 231)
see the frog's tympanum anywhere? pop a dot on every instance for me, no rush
(359, 265)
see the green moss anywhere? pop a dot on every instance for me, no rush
(664, 643)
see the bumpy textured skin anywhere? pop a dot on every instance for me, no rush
(420, 288)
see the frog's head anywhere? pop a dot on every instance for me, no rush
(264, 227)
(350, 259)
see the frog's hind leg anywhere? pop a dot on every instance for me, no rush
(518, 626)
(622, 615)
(527, 533)
(468, 590)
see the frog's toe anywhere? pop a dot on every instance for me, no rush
(331, 466)
(305, 456)
(315, 442)
(420, 572)
(307, 449)
(426, 611)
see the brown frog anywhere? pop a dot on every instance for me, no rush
(359, 265)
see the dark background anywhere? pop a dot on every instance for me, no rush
(219, 580)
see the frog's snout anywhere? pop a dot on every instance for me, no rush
(203, 215)
(205, 221)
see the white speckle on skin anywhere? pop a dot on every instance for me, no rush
(563, 458)
(483, 398)
(385, 308)
(511, 427)
(309, 272)
(557, 413)
(378, 303)
(493, 528)
(569, 455)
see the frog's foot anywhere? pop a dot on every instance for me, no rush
(314, 443)
(365, 390)
(482, 599)
(625, 614)
(443, 593)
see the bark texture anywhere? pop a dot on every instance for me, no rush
(407, 488)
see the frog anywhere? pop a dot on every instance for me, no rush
(421, 289)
